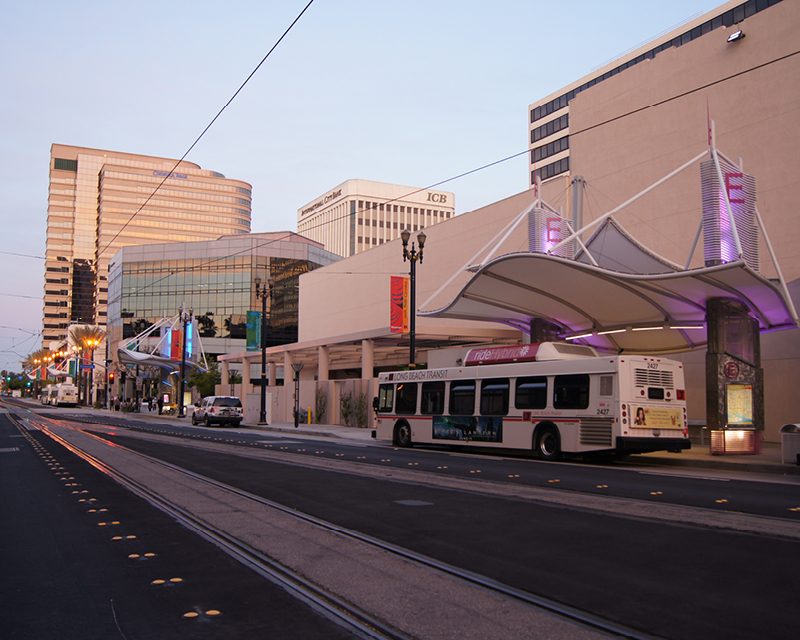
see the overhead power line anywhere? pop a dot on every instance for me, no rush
(208, 126)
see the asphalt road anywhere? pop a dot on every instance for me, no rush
(672, 581)
(669, 580)
(65, 573)
(708, 490)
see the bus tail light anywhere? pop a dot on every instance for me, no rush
(681, 394)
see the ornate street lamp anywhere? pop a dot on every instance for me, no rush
(264, 293)
(412, 255)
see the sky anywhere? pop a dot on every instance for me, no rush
(409, 92)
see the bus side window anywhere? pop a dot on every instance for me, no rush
(571, 391)
(494, 397)
(385, 398)
(462, 397)
(531, 393)
(432, 398)
(606, 385)
(406, 398)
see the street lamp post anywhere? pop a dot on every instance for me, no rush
(264, 293)
(92, 345)
(297, 367)
(412, 255)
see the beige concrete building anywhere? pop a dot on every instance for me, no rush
(360, 214)
(624, 128)
(646, 114)
(100, 201)
(345, 333)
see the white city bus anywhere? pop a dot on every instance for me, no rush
(63, 394)
(551, 398)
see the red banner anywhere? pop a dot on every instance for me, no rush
(398, 321)
(176, 342)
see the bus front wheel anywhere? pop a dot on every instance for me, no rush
(402, 435)
(548, 446)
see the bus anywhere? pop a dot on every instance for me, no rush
(63, 394)
(549, 399)
(46, 393)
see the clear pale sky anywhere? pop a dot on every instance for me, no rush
(408, 92)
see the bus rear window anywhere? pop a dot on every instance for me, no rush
(571, 392)
(531, 393)
(406, 402)
(462, 397)
(432, 398)
(494, 397)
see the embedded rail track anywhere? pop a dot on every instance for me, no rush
(360, 622)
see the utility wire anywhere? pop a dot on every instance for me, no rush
(22, 255)
(435, 184)
(268, 242)
(219, 113)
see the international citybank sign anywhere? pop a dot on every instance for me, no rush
(322, 202)
(418, 197)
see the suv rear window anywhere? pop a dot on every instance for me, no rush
(227, 402)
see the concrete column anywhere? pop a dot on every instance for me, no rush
(733, 365)
(288, 387)
(367, 359)
(272, 373)
(224, 378)
(367, 375)
(324, 363)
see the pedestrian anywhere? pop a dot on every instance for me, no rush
(160, 404)
(116, 403)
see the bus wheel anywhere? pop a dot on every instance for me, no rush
(402, 435)
(547, 444)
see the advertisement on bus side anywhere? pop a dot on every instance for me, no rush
(468, 428)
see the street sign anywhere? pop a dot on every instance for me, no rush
(87, 366)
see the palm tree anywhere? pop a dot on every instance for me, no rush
(35, 360)
(86, 337)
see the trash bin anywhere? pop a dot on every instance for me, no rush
(790, 444)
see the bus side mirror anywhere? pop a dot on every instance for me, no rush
(375, 403)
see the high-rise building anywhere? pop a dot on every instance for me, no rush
(100, 201)
(549, 123)
(360, 214)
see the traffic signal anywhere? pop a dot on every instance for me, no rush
(111, 377)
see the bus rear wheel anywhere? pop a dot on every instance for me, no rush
(402, 434)
(548, 446)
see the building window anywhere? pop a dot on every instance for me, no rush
(60, 164)
(548, 129)
(550, 170)
(550, 149)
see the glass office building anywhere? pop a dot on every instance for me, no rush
(100, 201)
(216, 281)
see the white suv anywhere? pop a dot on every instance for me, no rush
(219, 409)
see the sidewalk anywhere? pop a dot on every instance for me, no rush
(698, 457)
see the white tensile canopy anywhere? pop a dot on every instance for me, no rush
(615, 295)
